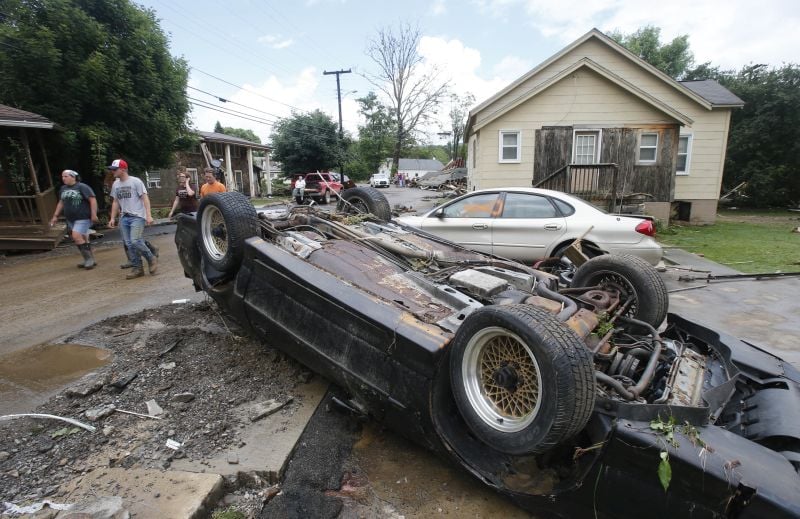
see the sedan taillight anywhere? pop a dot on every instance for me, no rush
(647, 228)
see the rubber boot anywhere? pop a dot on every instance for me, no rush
(152, 248)
(88, 257)
(127, 263)
(136, 272)
(152, 265)
(80, 249)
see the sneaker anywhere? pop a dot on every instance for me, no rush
(137, 272)
(152, 265)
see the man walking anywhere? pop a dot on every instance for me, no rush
(130, 199)
(79, 205)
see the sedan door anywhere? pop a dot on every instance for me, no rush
(527, 226)
(466, 221)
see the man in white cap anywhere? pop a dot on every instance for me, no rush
(79, 205)
(130, 198)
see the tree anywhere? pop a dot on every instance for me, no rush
(101, 70)
(376, 135)
(242, 133)
(413, 93)
(764, 141)
(307, 142)
(673, 58)
(459, 110)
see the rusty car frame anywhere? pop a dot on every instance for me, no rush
(580, 400)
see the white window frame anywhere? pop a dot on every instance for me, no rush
(500, 158)
(690, 139)
(639, 159)
(598, 143)
(153, 179)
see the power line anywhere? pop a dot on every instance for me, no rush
(248, 90)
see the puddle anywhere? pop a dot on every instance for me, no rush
(28, 377)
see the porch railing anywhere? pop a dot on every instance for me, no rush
(28, 209)
(595, 183)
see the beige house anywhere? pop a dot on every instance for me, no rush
(595, 118)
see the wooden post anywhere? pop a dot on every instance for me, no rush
(250, 172)
(44, 157)
(613, 202)
(26, 145)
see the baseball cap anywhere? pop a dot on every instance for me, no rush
(117, 164)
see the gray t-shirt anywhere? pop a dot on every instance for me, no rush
(128, 195)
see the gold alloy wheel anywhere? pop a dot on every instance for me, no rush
(502, 379)
(214, 231)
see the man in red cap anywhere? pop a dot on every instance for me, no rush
(130, 198)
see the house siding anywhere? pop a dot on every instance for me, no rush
(586, 98)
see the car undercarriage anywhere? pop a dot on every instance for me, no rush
(571, 399)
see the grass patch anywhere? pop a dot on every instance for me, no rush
(749, 242)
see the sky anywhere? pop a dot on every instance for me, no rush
(267, 58)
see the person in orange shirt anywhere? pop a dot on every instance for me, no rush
(211, 186)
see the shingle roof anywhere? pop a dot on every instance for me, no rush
(20, 118)
(221, 137)
(713, 92)
(419, 165)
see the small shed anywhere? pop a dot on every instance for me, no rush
(27, 194)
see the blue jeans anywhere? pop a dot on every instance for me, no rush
(132, 228)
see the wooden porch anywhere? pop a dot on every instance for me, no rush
(28, 197)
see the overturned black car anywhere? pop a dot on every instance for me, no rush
(587, 399)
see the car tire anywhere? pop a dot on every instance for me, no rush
(225, 221)
(523, 381)
(365, 200)
(633, 277)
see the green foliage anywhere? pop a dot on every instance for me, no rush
(242, 133)
(673, 58)
(101, 70)
(664, 470)
(228, 513)
(375, 137)
(764, 141)
(440, 153)
(307, 142)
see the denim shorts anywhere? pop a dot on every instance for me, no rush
(81, 226)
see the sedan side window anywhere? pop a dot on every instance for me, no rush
(478, 206)
(522, 205)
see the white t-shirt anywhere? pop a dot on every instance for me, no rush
(128, 195)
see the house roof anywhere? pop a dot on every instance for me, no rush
(230, 139)
(21, 119)
(599, 36)
(714, 93)
(419, 164)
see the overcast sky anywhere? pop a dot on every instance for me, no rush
(269, 56)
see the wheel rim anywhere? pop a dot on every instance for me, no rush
(215, 233)
(357, 206)
(501, 379)
(613, 280)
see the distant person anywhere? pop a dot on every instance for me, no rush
(212, 185)
(401, 179)
(185, 199)
(299, 190)
(130, 198)
(79, 204)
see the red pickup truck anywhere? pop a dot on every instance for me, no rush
(322, 187)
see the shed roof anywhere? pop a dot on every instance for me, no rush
(419, 165)
(230, 139)
(713, 92)
(15, 117)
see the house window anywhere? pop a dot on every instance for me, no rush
(586, 149)
(510, 146)
(153, 179)
(648, 146)
(684, 151)
(192, 173)
(239, 183)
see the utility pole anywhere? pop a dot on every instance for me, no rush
(339, 96)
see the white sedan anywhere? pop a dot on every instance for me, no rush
(528, 224)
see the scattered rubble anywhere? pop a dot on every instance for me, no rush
(214, 371)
